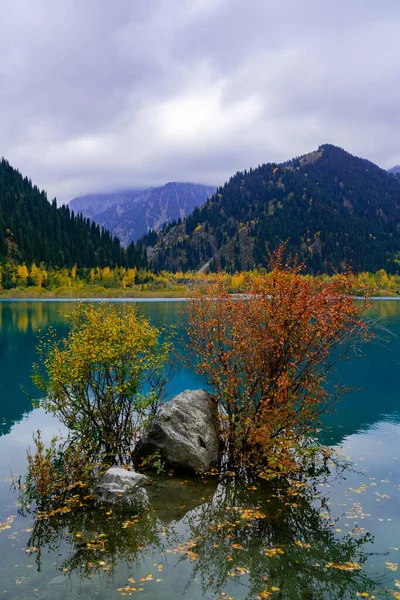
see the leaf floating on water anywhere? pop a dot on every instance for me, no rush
(238, 571)
(7, 523)
(250, 514)
(272, 552)
(347, 566)
(391, 566)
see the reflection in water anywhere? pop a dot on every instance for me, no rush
(374, 376)
(212, 536)
(20, 323)
(207, 538)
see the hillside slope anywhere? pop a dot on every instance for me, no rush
(132, 213)
(33, 230)
(331, 208)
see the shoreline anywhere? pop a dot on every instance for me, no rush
(95, 299)
(142, 298)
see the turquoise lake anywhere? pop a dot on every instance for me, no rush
(201, 538)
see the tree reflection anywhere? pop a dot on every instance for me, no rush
(248, 539)
(276, 540)
(99, 535)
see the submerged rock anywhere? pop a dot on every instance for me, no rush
(181, 498)
(120, 481)
(185, 432)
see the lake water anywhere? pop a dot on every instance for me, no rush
(198, 538)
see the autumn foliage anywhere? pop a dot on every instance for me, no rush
(267, 355)
(106, 379)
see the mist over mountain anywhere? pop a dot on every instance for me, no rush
(330, 207)
(130, 214)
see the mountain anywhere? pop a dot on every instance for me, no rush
(395, 170)
(132, 213)
(33, 230)
(94, 204)
(330, 207)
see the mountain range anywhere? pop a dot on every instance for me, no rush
(129, 214)
(331, 209)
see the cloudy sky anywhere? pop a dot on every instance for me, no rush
(97, 95)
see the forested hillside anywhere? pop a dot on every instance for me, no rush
(329, 206)
(32, 230)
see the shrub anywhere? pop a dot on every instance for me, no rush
(106, 379)
(54, 472)
(268, 354)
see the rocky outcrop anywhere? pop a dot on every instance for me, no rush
(120, 481)
(185, 432)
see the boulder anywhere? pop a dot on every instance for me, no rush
(120, 481)
(185, 432)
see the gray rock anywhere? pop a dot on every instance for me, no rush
(120, 481)
(185, 432)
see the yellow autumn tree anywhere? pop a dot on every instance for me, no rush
(22, 275)
(37, 275)
(105, 379)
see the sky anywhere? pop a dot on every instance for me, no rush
(99, 95)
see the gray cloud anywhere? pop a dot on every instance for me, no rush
(98, 95)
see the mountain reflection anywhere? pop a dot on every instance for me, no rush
(20, 321)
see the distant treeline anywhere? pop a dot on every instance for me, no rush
(41, 277)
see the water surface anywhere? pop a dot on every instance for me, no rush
(200, 538)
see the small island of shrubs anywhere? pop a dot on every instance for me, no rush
(266, 355)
